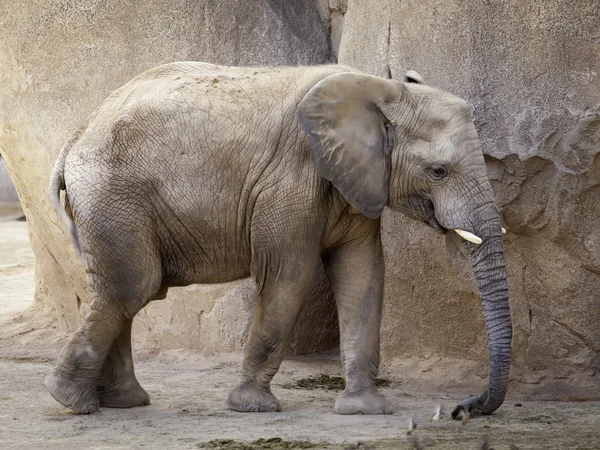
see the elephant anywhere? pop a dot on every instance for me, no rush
(198, 173)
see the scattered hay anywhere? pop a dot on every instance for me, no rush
(270, 444)
(327, 382)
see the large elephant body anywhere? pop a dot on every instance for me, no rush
(199, 159)
(195, 173)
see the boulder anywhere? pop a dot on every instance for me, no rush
(530, 71)
(57, 70)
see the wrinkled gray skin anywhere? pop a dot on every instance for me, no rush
(194, 173)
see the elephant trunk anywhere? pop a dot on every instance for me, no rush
(489, 266)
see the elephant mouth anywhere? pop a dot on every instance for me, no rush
(433, 223)
(432, 219)
(420, 207)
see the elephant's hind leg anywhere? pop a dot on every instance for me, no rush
(73, 380)
(118, 387)
(124, 271)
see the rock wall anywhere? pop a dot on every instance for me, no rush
(59, 59)
(531, 70)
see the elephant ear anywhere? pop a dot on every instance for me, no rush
(350, 137)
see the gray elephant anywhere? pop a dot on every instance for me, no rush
(196, 173)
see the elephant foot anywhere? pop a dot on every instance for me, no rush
(369, 402)
(245, 399)
(80, 396)
(124, 395)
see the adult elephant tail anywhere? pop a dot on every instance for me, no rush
(57, 183)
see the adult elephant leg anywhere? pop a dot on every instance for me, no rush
(118, 387)
(356, 274)
(124, 271)
(73, 380)
(283, 286)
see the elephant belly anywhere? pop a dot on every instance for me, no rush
(201, 251)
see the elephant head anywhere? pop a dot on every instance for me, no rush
(415, 149)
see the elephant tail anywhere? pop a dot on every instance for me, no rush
(57, 183)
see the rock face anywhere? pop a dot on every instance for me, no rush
(59, 67)
(530, 70)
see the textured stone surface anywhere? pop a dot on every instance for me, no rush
(332, 13)
(71, 54)
(531, 72)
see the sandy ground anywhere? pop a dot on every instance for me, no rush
(188, 391)
(16, 268)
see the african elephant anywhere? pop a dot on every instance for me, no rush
(196, 173)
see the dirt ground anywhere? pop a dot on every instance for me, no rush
(188, 390)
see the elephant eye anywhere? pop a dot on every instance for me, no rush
(438, 172)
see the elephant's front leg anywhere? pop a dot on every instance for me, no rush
(356, 272)
(283, 286)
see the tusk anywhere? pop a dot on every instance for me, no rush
(467, 236)
(503, 231)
